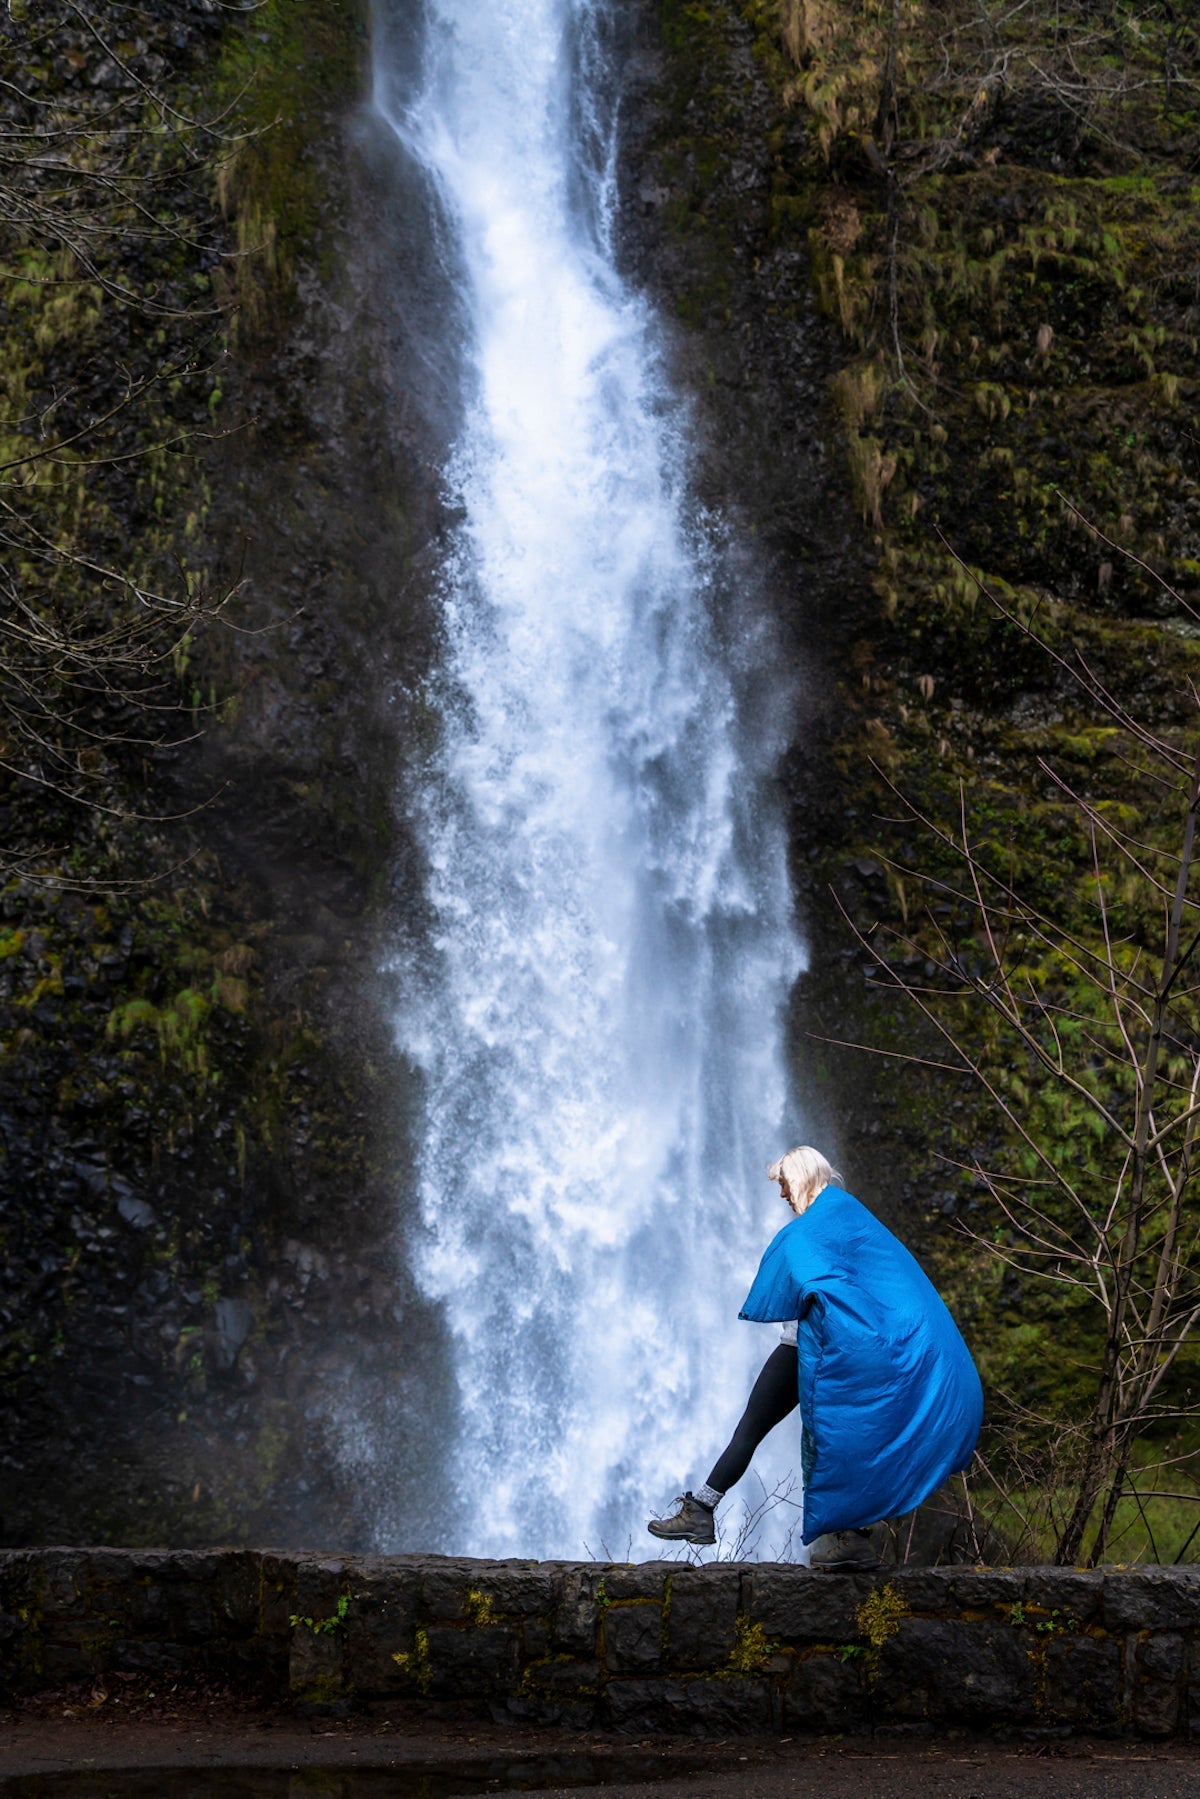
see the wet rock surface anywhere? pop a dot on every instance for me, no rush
(200, 1111)
(718, 202)
(236, 1751)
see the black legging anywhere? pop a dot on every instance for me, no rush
(772, 1397)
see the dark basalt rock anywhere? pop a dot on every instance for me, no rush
(685, 1649)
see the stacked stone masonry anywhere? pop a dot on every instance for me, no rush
(655, 1646)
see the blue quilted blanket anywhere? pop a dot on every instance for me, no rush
(890, 1403)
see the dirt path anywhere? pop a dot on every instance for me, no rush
(202, 1746)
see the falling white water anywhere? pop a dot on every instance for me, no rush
(595, 1004)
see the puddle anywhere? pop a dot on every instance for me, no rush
(532, 1774)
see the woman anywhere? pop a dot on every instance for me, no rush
(890, 1403)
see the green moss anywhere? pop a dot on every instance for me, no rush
(415, 1665)
(29, 1666)
(532, 1687)
(179, 1026)
(479, 1606)
(879, 1615)
(321, 1689)
(878, 1618)
(282, 64)
(751, 1652)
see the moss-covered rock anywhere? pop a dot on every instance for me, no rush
(1012, 282)
(196, 1143)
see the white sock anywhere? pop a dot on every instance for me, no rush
(708, 1496)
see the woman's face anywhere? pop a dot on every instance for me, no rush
(783, 1188)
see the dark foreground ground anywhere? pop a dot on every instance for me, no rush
(131, 1743)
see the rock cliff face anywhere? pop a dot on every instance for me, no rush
(200, 1105)
(198, 1200)
(1008, 264)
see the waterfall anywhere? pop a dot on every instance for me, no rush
(594, 997)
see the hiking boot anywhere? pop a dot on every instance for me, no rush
(692, 1523)
(843, 1549)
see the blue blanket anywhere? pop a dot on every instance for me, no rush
(890, 1403)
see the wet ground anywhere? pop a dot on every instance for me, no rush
(205, 1745)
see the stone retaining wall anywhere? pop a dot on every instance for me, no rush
(655, 1646)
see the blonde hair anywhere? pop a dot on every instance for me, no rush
(805, 1172)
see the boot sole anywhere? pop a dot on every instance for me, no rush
(665, 1536)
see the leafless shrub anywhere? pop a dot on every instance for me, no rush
(1108, 1048)
(109, 235)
